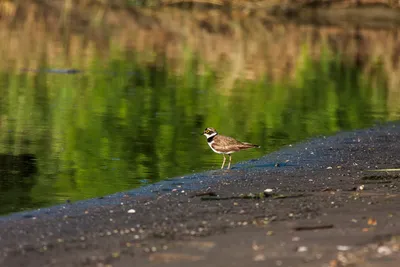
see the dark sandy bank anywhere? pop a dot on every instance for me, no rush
(328, 207)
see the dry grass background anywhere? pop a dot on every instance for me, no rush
(241, 43)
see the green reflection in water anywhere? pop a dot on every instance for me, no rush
(104, 131)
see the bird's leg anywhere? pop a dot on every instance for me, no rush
(230, 160)
(223, 163)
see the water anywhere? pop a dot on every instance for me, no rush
(120, 123)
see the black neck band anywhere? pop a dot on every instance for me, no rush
(209, 139)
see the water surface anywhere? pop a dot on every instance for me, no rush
(120, 123)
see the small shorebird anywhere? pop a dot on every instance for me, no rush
(224, 144)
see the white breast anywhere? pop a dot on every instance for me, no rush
(210, 144)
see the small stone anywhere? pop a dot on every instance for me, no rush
(302, 249)
(342, 248)
(131, 211)
(384, 250)
(329, 168)
(259, 257)
(372, 221)
(268, 190)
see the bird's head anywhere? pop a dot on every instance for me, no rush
(209, 132)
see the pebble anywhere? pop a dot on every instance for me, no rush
(131, 211)
(342, 248)
(259, 257)
(384, 250)
(295, 238)
(302, 249)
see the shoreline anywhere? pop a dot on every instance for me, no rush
(166, 186)
(317, 215)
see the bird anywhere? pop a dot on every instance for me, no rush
(225, 145)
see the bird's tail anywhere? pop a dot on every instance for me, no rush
(248, 145)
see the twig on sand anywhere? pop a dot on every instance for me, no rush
(384, 170)
(313, 227)
(204, 194)
(261, 195)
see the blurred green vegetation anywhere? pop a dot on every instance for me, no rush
(121, 124)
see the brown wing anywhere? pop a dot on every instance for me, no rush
(229, 144)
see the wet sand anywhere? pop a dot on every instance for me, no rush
(328, 207)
